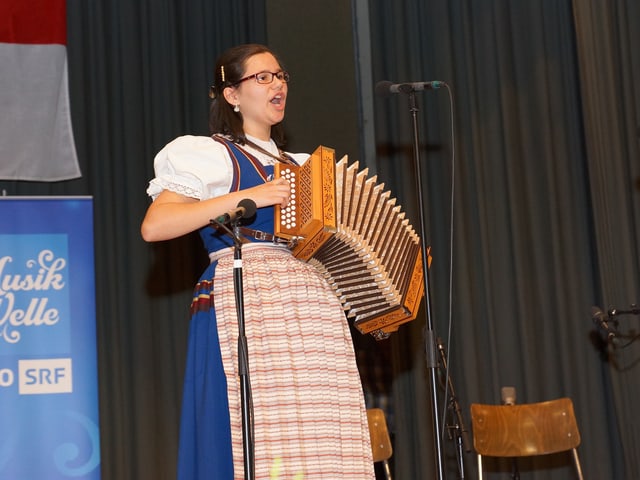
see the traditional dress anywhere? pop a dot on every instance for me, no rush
(308, 407)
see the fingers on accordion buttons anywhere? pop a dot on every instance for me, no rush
(289, 211)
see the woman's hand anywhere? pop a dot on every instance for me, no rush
(274, 192)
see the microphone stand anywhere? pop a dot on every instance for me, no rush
(460, 431)
(243, 351)
(612, 314)
(430, 343)
(633, 310)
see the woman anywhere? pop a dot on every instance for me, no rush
(308, 409)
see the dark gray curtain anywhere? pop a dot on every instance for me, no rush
(607, 39)
(545, 220)
(545, 224)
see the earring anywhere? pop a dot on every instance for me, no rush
(236, 108)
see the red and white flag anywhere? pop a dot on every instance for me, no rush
(36, 136)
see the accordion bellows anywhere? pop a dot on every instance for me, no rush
(352, 231)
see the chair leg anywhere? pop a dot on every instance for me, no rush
(479, 467)
(576, 460)
(387, 470)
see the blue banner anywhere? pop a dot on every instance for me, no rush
(49, 426)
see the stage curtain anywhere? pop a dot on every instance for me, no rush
(545, 221)
(607, 35)
(545, 218)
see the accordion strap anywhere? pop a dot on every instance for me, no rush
(281, 157)
(267, 237)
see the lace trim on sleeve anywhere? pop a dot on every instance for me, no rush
(159, 184)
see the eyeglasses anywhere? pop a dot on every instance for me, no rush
(265, 78)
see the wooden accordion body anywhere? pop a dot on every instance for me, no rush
(345, 225)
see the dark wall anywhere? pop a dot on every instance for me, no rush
(315, 42)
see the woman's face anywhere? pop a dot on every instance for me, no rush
(261, 105)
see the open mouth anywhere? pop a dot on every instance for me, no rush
(278, 100)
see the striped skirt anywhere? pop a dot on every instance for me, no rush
(308, 408)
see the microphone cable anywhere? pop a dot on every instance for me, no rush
(449, 327)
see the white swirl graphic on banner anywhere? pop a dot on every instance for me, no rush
(41, 275)
(67, 454)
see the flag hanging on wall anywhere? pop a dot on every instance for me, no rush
(36, 137)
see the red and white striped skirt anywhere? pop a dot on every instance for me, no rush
(308, 407)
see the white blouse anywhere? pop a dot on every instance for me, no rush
(200, 167)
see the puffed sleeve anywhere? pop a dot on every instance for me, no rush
(193, 166)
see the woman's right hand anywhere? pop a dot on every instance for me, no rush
(274, 192)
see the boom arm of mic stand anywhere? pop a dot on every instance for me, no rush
(430, 341)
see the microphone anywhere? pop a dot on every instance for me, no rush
(385, 87)
(246, 209)
(602, 320)
(508, 395)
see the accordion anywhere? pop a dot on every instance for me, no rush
(346, 225)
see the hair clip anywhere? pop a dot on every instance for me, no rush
(222, 73)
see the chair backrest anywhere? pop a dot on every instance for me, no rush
(524, 429)
(380, 440)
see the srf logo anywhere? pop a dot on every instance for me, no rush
(45, 376)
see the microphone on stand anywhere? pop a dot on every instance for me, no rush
(508, 395)
(385, 87)
(246, 209)
(601, 319)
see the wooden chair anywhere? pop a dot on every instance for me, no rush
(525, 430)
(380, 440)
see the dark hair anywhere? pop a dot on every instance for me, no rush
(230, 68)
